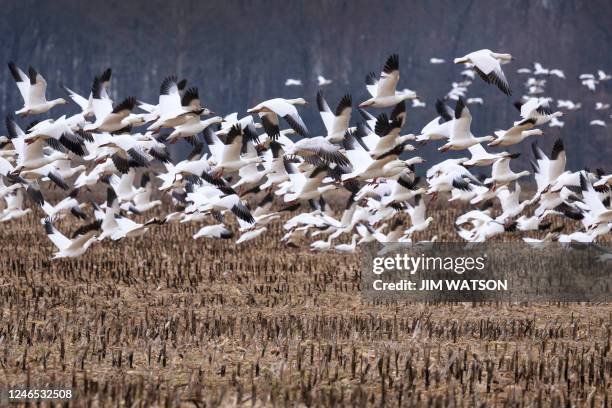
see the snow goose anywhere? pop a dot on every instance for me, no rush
(56, 132)
(229, 200)
(86, 105)
(127, 152)
(516, 134)
(535, 108)
(449, 174)
(602, 76)
(293, 82)
(348, 248)
(461, 135)
(597, 211)
(319, 149)
(601, 106)
(48, 172)
(436, 61)
(510, 202)
(306, 186)
(112, 118)
(480, 157)
(124, 186)
(274, 165)
(364, 167)
(597, 122)
(336, 123)
(270, 110)
(485, 229)
(383, 90)
(230, 159)
(487, 65)
(65, 206)
(29, 155)
(192, 127)
(322, 81)
(440, 127)
(14, 207)
(33, 89)
(218, 231)
(554, 122)
(174, 110)
(590, 83)
(78, 245)
(322, 245)
(501, 173)
(250, 235)
(474, 101)
(404, 189)
(417, 214)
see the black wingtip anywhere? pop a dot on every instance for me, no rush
(459, 107)
(392, 64)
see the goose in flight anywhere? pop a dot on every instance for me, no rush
(192, 127)
(487, 65)
(31, 154)
(516, 134)
(218, 231)
(173, 109)
(439, 128)
(65, 206)
(270, 110)
(80, 242)
(14, 207)
(337, 122)
(250, 235)
(322, 81)
(293, 82)
(305, 186)
(502, 174)
(86, 105)
(436, 61)
(535, 108)
(33, 90)
(597, 122)
(480, 157)
(116, 118)
(383, 89)
(417, 214)
(597, 213)
(461, 136)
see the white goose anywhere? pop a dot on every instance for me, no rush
(516, 134)
(487, 65)
(417, 216)
(218, 231)
(270, 110)
(77, 246)
(383, 90)
(461, 135)
(501, 173)
(33, 89)
(336, 123)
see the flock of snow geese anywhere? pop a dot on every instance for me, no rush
(107, 143)
(535, 86)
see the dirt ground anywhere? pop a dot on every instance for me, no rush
(163, 320)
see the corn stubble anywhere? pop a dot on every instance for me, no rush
(168, 321)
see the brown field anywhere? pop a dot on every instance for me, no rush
(163, 320)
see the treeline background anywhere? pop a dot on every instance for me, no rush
(240, 52)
